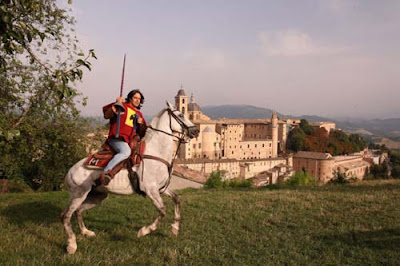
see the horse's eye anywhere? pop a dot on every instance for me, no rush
(181, 115)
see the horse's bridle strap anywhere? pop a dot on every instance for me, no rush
(147, 156)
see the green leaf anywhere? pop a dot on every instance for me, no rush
(42, 35)
(7, 18)
(9, 136)
(93, 54)
(87, 65)
(29, 36)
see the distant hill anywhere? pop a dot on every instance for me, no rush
(389, 128)
(249, 111)
(237, 111)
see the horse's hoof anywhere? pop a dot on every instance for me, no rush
(71, 249)
(142, 232)
(175, 230)
(88, 233)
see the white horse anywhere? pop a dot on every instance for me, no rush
(154, 172)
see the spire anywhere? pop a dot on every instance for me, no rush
(192, 100)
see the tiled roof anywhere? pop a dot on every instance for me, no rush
(313, 155)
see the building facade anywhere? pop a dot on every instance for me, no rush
(324, 167)
(242, 148)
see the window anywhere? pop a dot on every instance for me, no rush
(199, 145)
(194, 146)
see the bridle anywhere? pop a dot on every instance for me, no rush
(180, 139)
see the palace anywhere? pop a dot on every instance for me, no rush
(256, 148)
(242, 148)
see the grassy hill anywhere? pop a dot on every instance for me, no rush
(335, 225)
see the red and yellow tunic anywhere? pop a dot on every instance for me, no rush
(128, 122)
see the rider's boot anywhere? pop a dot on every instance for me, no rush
(104, 179)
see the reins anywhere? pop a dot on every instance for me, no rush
(181, 139)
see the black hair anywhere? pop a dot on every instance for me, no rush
(133, 92)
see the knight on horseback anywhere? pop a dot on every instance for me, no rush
(132, 127)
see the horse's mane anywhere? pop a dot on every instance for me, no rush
(155, 120)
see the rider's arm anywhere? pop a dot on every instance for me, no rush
(142, 126)
(109, 110)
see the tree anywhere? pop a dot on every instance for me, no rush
(39, 64)
(295, 141)
(306, 127)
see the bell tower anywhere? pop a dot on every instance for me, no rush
(274, 123)
(181, 102)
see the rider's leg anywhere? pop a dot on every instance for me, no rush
(123, 152)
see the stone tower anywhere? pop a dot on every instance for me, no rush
(274, 123)
(181, 102)
(207, 142)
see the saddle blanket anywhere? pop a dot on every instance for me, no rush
(100, 159)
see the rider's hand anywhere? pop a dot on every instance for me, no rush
(140, 120)
(118, 100)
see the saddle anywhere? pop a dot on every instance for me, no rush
(100, 159)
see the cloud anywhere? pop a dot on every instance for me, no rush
(203, 58)
(342, 6)
(294, 43)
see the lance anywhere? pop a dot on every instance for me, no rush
(119, 106)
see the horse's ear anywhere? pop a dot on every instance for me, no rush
(170, 106)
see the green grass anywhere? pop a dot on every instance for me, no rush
(330, 225)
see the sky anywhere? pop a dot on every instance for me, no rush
(332, 58)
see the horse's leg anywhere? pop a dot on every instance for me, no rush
(155, 196)
(66, 216)
(92, 200)
(177, 216)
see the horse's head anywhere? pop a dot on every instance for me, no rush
(180, 123)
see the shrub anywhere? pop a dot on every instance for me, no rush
(216, 181)
(340, 178)
(235, 183)
(301, 179)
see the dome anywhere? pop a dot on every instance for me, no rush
(194, 107)
(181, 92)
(207, 130)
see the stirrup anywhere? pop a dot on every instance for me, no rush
(104, 179)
